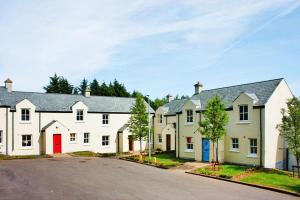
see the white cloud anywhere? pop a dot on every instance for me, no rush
(79, 38)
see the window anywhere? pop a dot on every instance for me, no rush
(189, 116)
(159, 138)
(25, 114)
(1, 136)
(244, 112)
(160, 119)
(105, 140)
(235, 143)
(86, 138)
(26, 140)
(79, 115)
(189, 144)
(253, 147)
(72, 137)
(105, 119)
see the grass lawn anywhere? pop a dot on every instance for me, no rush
(272, 178)
(4, 157)
(85, 154)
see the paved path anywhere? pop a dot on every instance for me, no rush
(189, 166)
(106, 178)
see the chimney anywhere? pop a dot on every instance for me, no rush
(8, 85)
(198, 87)
(169, 98)
(87, 92)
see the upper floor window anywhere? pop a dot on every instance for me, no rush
(1, 136)
(79, 115)
(25, 114)
(72, 137)
(26, 140)
(189, 144)
(189, 116)
(159, 138)
(160, 119)
(105, 140)
(253, 146)
(234, 143)
(244, 113)
(105, 119)
(86, 138)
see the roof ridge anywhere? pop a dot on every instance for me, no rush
(245, 84)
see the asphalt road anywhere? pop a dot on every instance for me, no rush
(105, 178)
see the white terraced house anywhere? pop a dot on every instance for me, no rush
(38, 123)
(252, 137)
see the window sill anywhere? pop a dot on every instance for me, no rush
(189, 124)
(87, 144)
(105, 147)
(252, 156)
(188, 151)
(234, 150)
(72, 142)
(25, 122)
(105, 125)
(244, 122)
(79, 122)
(26, 148)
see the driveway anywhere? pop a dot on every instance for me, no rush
(107, 178)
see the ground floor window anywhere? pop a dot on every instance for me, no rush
(189, 144)
(1, 136)
(105, 140)
(86, 138)
(235, 144)
(159, 138)
(253, 146)
(26, 140)
(72, 137)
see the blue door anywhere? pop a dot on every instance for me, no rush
(205, 150)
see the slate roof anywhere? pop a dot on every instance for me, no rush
(62, 102)
(262, 91)
(259, 91)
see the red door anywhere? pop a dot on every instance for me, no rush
(56, 143)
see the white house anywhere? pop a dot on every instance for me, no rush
(252, 137)
(38, 123)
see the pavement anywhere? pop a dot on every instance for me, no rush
(189, 166)
(108, 178)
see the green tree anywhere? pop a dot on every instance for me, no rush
(138, 122)
(104, 90)
(214, 124)
(290, 127)
(83, 85)
(158, 103)
(58, 84)
(95, 88)
(119, 89)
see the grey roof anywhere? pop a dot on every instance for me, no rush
(49, 102)
(122, 129)
(174, 106)
(261, 91)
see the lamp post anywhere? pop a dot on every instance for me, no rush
(149, 131)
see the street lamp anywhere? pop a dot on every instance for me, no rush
(149, 131)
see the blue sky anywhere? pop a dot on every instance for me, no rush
(156, 47)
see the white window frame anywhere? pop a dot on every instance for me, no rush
(79, 115)
(160, 119)
(26, 141)
(105, 141)
(86, 138)
(235, 146)
(252, 147)
(243, 113)
(105, 119)
(189, 145)
(1, 137)
(72, 139)
(160, 138)
(189, 116)
(26, 116)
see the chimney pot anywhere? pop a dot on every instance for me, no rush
(87, 92)
(169, 98)
(198, 87)
(8, 85)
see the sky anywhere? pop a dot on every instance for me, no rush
(156, 47)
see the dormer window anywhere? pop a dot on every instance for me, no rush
(25, 114)
(189, 116)
(244, 114)
(160, 119)
(79, 115)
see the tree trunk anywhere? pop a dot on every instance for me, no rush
(217, 155)
(141, 146)
(213, 156)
